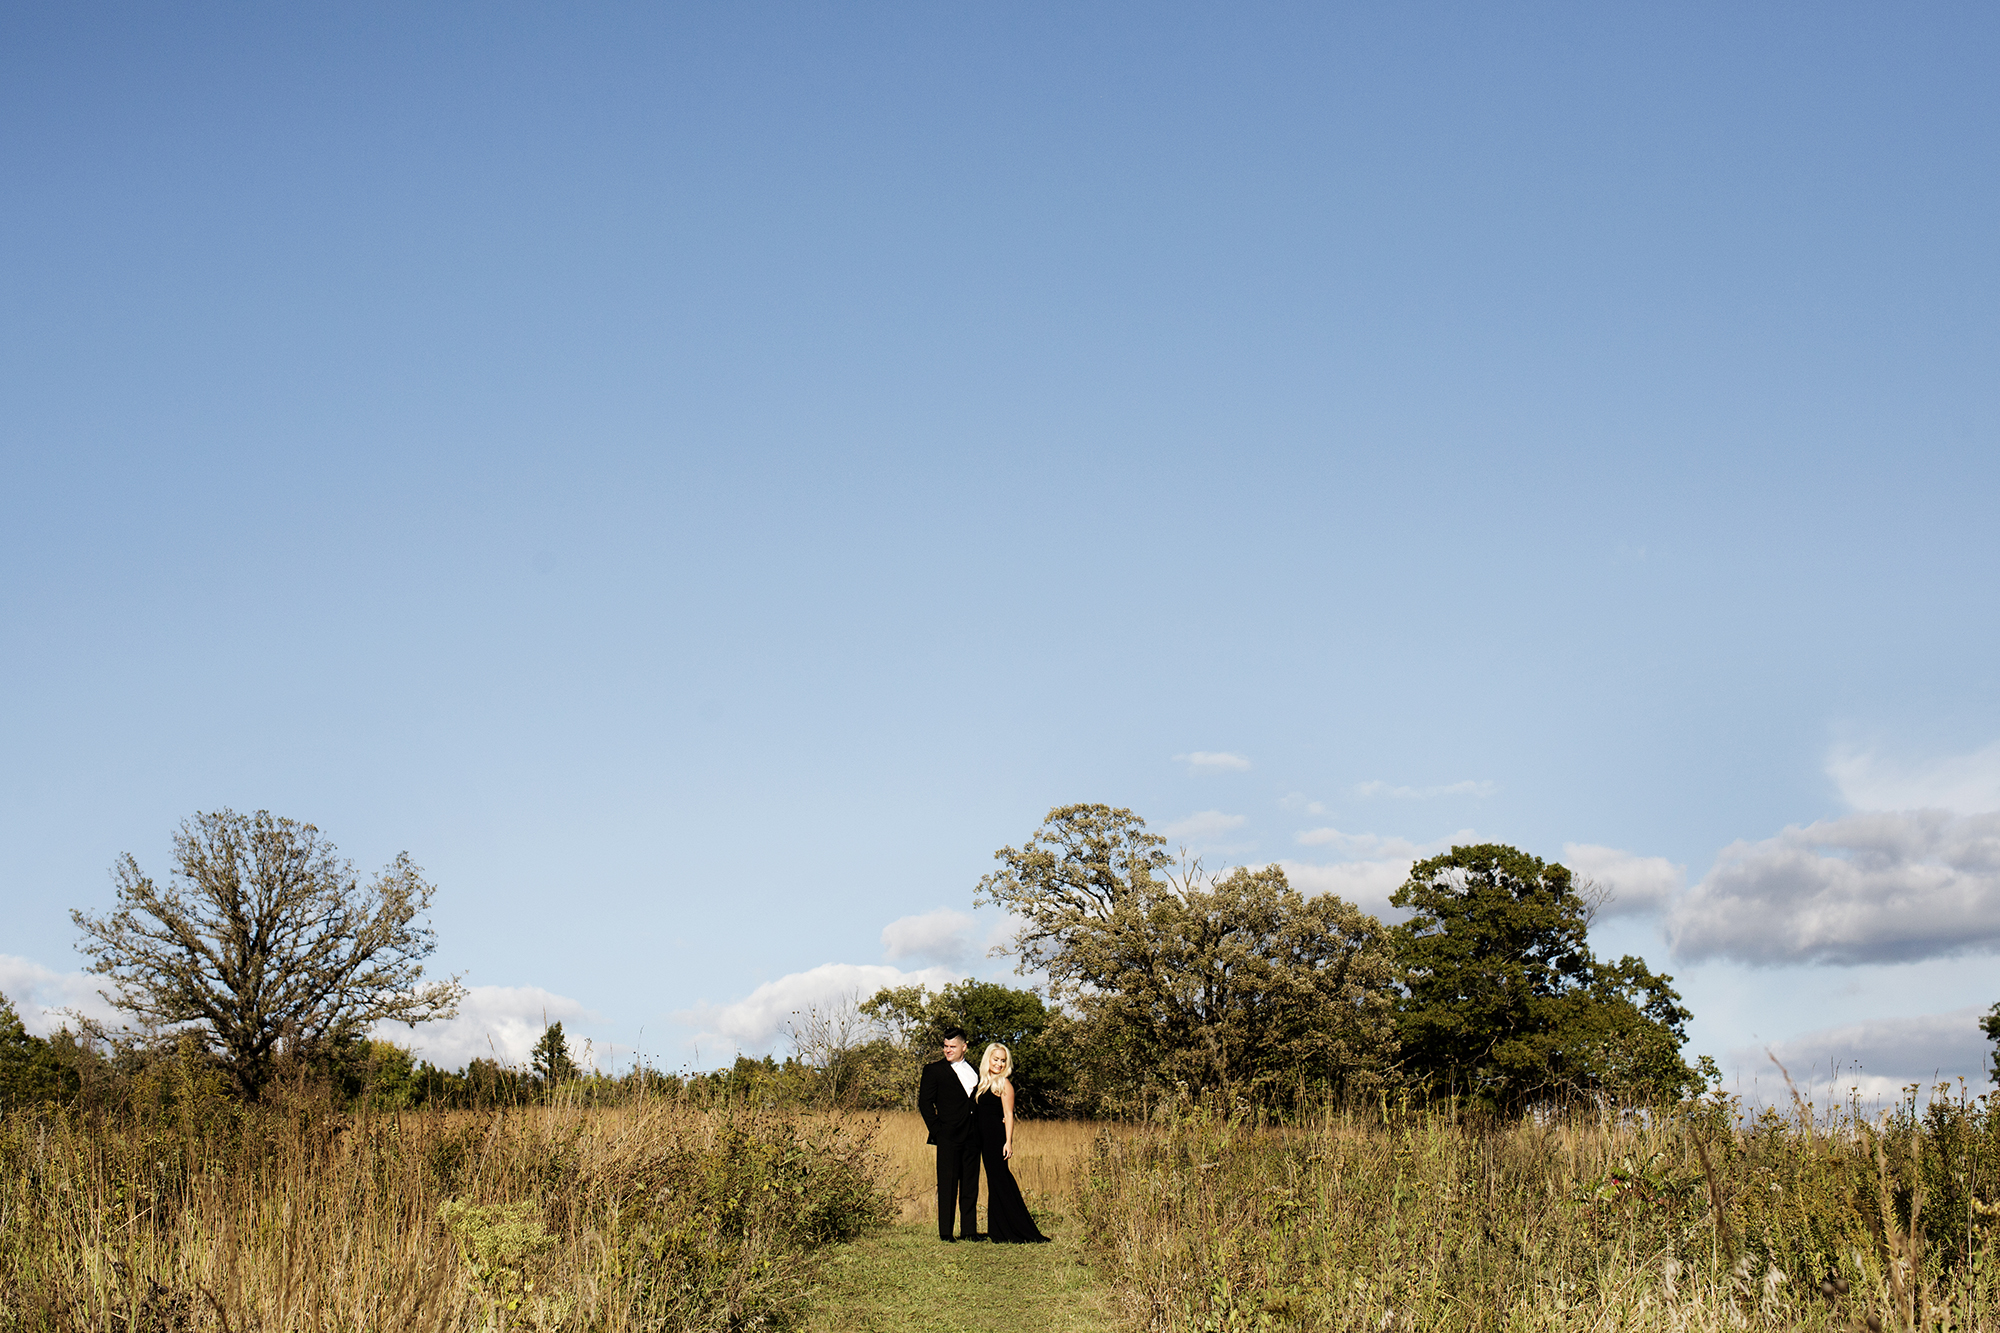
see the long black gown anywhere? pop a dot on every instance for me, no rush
(1007, 1216)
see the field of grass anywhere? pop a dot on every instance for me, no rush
(288, 1219)
(1382, 1219)
(670, 1216)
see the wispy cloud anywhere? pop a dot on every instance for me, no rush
(40, 993)
(1203, 826)
(938, 936)
(1639, 885)
(1298, 801)
(498, 1022)
(494, 1022)
(1481, 788)
(1364, 846)
(1213, 761)
(1004, 932)
(756, 1021)
(1878, 1056)
(1374, 868)
(1964, 784)
(1864, 888)
(1366, 884)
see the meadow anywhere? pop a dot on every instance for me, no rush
(1697, 1218)
(291, 1217)
(666, 1214)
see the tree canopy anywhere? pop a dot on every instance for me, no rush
(264, 936)
(1504, 1003)
(30, 1071)
(913, 1019)
(1235, 982)
(551, 1058)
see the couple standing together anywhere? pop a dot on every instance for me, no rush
(971, 1117)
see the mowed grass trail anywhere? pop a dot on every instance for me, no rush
(903, 1279)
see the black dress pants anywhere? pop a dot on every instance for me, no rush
(958, 1178)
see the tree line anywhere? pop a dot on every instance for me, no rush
(267, 958)
(1163, 980)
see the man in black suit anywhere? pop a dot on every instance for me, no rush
(944, 1095)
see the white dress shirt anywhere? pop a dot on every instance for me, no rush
(965, 1075)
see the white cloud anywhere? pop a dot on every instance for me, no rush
(1639, 885)
(1965, 784)
(1299, 801)
(501, 1022)
(1375, 867)
(1203, 825)
(757, 1020)
(938, 936)
(496, 1023)
(1865, 888)
(1879, 1057)
(1004, 932)
(1481, 788)
(1363, 845)
(1213, 761)
(38, 994)
(1366, 884)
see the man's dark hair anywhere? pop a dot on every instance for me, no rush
(952, 1031)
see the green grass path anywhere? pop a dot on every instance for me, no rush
(903, 1279)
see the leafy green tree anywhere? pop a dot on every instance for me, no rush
(1503, 1002)
(914, 1020)
(370, 1072)
(30, 1070)
(987, 1010)
(1085, 871)
(551, 1060)
(264, 937)
(1238, 982)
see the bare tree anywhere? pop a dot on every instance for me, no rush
(1595, 897)
(263, 935)
(829, 1041)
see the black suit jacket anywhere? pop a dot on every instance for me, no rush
(943, 1101)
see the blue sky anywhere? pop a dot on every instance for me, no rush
(701, 478)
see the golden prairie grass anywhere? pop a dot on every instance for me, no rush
(651, 1217)
(1385, 1220)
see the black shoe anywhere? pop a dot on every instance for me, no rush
(949, 1240)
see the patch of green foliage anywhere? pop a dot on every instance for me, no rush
(1503, 1003)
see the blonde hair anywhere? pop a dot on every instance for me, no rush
(987, 1079)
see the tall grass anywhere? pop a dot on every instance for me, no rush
(1385, 1218)
(294, 1218)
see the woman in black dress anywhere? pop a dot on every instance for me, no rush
(1007, 1217)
